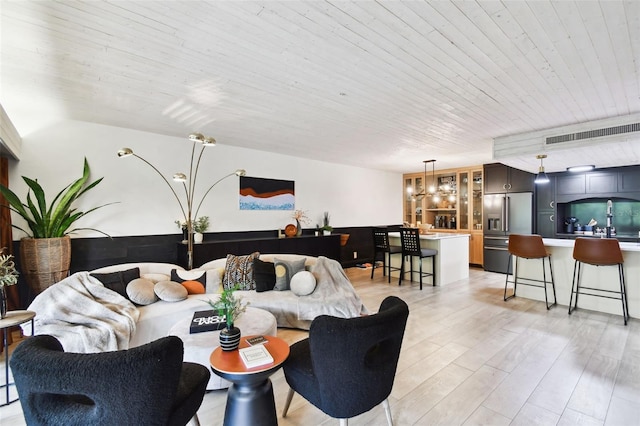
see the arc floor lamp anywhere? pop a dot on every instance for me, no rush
(188, 183)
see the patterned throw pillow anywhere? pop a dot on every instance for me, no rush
(239, 271)
(285, 270)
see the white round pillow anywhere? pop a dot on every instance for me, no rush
(170, 291)
(140, 291)
(303, 283)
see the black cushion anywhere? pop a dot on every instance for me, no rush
(202, 279)
(117, 281)
(265, 275)
(147, 385)
(347, 365)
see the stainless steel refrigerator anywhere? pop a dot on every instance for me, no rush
(504, 214)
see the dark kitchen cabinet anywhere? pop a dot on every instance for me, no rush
(546, 224)
(571, 184)
(602, 183)
(499, 178)
(545, 208)
(629, 180)
(546, 195)
(605, 183)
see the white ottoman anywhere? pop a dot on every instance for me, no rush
(198, 346)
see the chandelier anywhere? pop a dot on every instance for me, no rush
(436, 191)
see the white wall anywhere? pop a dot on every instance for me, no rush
(354, 196)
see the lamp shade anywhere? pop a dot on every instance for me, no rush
(541, 178)
(196, 137)
(180, 177)
(125, 152)
(209, 141)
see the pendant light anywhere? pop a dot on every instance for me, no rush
(541, 177)
(432, 187)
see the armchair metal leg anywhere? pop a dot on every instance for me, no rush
(387, 411)
(195, 421)
(287, 402)
(344, 422)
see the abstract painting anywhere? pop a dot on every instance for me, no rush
(266, 194)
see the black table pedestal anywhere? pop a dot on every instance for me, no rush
(250, 402)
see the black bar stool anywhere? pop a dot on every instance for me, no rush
(598, 252)
(383, 250)
(410, 239)
(529, 247)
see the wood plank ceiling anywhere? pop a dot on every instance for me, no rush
(383, 84)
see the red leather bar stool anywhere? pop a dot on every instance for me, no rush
(598, 252)
(528, 247)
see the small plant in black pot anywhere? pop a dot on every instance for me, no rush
(231, 307)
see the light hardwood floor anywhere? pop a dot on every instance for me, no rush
(470, 358)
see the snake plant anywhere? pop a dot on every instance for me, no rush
(51, 221)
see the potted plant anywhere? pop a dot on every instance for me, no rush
(326, 228)
(200, 226)
(8, 276)
(45, 254)
(231, 307)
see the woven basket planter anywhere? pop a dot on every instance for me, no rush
(45, 261)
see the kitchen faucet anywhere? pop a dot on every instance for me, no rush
(609, 218)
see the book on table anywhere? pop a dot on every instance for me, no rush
(256, 340)
(255, 356)
(207, 321)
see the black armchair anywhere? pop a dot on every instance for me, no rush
(146, 385)
(347, 366)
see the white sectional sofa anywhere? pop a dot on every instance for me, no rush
(290, 310)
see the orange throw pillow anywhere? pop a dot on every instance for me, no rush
(193, 287)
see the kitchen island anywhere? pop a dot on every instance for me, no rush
(592, 276)
(451, 262)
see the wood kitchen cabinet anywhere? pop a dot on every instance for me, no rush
(458, 208)
(499, 178)
(476, 249)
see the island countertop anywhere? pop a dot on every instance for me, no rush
(595, 277)
(434, 235)
(554, 242)
(451, 262)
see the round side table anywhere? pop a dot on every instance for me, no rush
(198, 346)
(12, 319)
(250, 397)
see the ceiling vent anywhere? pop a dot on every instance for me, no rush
(591, 134)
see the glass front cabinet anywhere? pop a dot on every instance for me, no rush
(446, 201)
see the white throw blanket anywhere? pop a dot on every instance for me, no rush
(334, 294)
(84, 315)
